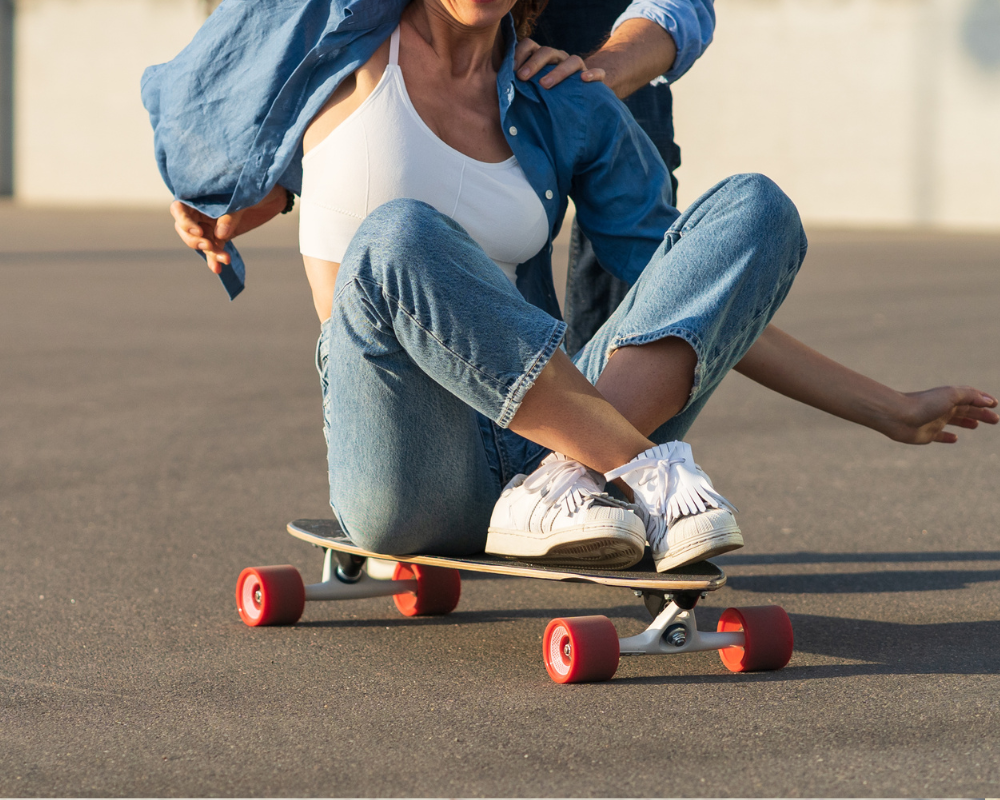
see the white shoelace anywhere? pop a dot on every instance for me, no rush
(567, 481)
(655, 477)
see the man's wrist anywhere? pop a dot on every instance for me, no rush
(636, 53)
(610, 62)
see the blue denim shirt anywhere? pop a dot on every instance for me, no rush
(229, 113)
(580, 26)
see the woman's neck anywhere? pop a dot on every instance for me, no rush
(466, 49)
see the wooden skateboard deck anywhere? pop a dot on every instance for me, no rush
(703, 576)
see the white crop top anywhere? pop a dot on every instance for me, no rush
(384, 151)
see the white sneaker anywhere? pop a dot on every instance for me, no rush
(558, 515)
(686, 519)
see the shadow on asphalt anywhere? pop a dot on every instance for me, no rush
(864, 582)
(885, 648)
(483, 617)
(858, 558)
(947, 648)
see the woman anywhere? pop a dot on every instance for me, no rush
(432, 187)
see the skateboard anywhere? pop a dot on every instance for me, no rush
(574, 649)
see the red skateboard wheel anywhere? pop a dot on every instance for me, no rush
(270, 595)
(580, 649)
(769, 638)
(438, 590)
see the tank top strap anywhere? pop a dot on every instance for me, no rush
(394, 47)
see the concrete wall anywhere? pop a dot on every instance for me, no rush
(870, 112)
(6, 97)
(82, 136)
(867, 112)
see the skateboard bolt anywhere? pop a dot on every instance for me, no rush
(256, 597)
(676, 636)
(567, 650)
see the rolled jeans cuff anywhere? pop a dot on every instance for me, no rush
(520, 388)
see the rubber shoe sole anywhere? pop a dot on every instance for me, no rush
(604, 545)
(713, 536)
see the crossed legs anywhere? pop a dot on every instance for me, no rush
(428, 301)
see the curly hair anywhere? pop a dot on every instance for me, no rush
(525, 13)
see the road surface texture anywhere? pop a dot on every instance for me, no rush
(155, 439)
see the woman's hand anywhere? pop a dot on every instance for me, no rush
(530, 57)
(922, 416)
(200, 232)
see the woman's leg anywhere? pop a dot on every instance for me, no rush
(722, 272)
(408, 469)
(707, 294)
(425, 331)
(415, 283)
(705, 297)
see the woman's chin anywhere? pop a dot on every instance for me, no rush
(478, 13)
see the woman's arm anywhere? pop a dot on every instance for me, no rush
(782, 363)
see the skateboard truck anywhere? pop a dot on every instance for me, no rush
(345, 578)
(656, 600)
(349, 566)
(674, 629)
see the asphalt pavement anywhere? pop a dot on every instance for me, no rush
(155, 439)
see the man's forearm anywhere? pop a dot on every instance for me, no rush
(636, 53)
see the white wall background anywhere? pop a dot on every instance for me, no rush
(81, 135)
(867, 112)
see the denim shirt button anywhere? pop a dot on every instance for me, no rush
(513, 130)
(548, 194)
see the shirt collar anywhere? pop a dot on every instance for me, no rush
(506, 84)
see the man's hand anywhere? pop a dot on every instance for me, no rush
(922, 416)
(638, 52)
(530, 57)
(200, 232)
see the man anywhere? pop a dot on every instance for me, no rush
(637, 49)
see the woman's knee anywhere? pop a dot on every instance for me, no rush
(406, 505)
(406, 529)
(771, 209)
(401, 226)
(395, 241)
(379, 532)
(767, 201)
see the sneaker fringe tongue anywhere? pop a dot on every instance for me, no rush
(670, 472)
(692, 493)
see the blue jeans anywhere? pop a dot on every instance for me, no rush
(430, 350)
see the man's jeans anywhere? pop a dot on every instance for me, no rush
(430, 350)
